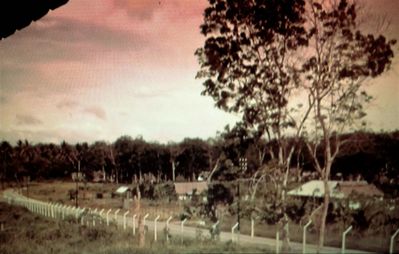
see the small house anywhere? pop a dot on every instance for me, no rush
(185, 190)
(339, 190)
(125, 193)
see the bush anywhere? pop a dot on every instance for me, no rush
(72, 194)
(165, 190)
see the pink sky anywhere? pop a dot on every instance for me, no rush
(95, 71)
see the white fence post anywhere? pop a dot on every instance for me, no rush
(278, 240)
(82, 217)
(214, 226)
(70, 211)
(155, 228)
(101, 216)
(304, 236)
(182, 229)
(108, 216)
(116, 217)
(63, 212)
(344, 239)
(56, 211)
(232, 231)
(391, 243)
(124, 219)
(134, 224)
(47, 210)
(145, 217)
(60, 211)
(77, 212)
(89, 213)
(94, 217)
(167, 228)
(252, 227)
(52, 210)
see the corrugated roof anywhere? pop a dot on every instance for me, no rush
(354, 188)
(338, 189)
(315, 188)
(122, 189)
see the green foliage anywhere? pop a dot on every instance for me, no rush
(216, 194)
(215, 232)
(244, 56)
(373, 216)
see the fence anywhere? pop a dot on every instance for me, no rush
(125, 220)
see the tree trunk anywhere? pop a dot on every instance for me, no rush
(140, 223)
(117, 176)
(104, 175)
(285, 228)
(173, 171)
(324, 214)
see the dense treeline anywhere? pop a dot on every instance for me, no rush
(372, 156)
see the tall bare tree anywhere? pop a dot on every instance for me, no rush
(259, 55)
(339, 60)
(248, 66)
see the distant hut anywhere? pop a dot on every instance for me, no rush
(339, 190)
(125, 193)
(186, 190)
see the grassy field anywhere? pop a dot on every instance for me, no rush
(57, 191)
(24, 232)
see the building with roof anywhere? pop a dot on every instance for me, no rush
(185, 190)
(339, 190)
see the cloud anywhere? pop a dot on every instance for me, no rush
(51, 135)
(67, 104)
(14, 77)
(27, 120)
(142, 9)
(57, 38)
(3, 99)
(97, 112)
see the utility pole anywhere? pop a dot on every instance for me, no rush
(243, 167)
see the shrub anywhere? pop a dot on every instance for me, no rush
(72, 194)
(165, 190)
